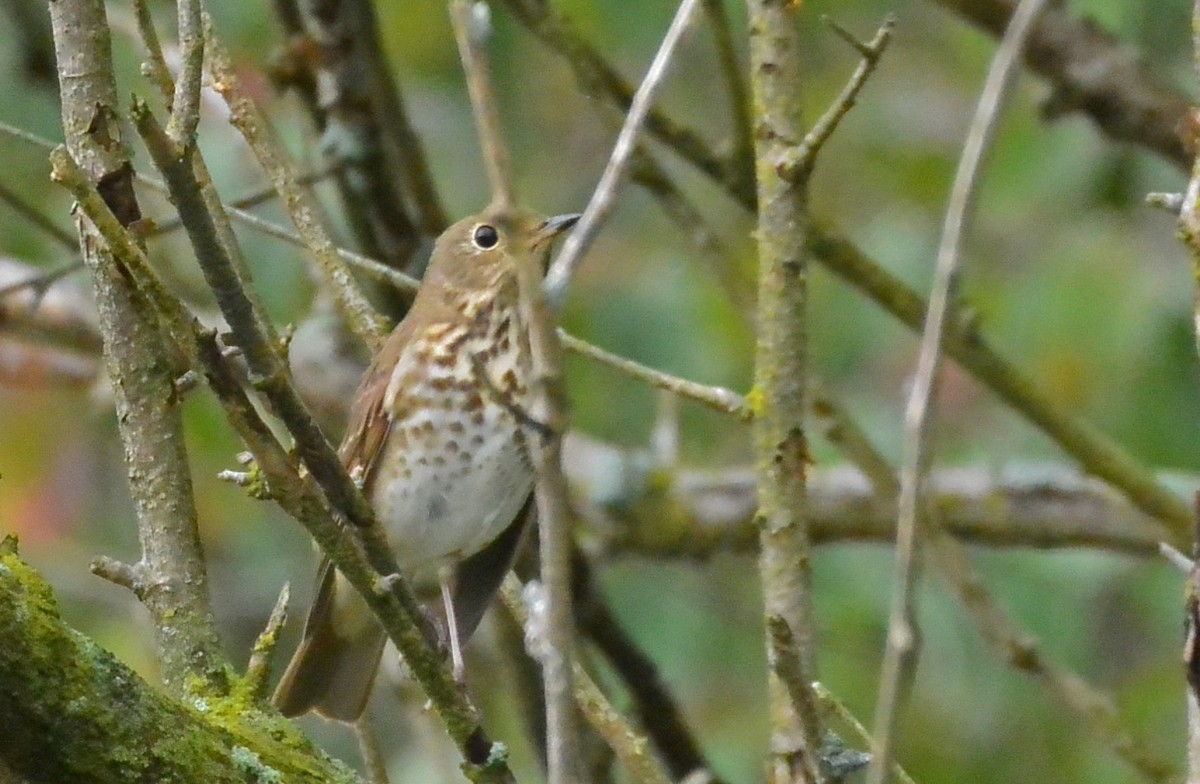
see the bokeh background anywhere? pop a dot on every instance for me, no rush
(1070, 276)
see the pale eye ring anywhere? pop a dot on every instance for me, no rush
(485, 236)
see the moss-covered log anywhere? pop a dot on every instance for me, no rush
(71, 712)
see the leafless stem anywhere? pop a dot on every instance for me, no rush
(159, 73)
(735, 83)
(778, 398)
(553, 507)
(39, 219)
(258, 669)
(138, 363)
(799, 161)
(900, 654)
(629, 746)
(472, 28)
(716, 398)
(372, 753)
(185, 107)
(578, 241)
(359, 314)
(1092, 72)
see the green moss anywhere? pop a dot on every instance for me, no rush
(74, 713)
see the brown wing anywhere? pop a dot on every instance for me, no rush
(367, 429)
(369, 423)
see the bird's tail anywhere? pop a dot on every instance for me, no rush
(334, 668)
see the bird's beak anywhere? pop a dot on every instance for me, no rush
(555, 226)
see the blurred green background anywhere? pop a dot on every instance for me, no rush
(1069, 274)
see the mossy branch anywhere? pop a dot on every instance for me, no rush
(72, 713)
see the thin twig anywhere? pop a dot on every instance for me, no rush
(245, 116)
(39, 219)
(262, 654)
(838, 709)
(625, 741)
(156, 66)
(371, 751)
(900, 654)
(799, 161)
(742, 153)
(717, 398)
(548, 408)
(185, 106)
(472, 28)
(580, 239)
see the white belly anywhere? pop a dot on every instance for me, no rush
(454, 490)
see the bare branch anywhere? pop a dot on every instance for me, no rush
(900, 655)
(601, 203)
(598, 78)
(1094, 73)
(185, 106)
(247, 119)
(335, 61)
(800, 161)
(472, 28)
(258, 670)
(148, 412)
(778, 397)
(628, 744)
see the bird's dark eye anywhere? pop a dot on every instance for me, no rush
(485, 237)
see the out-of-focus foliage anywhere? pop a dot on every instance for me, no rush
(1074, 280)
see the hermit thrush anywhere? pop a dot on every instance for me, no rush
(436, 437)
